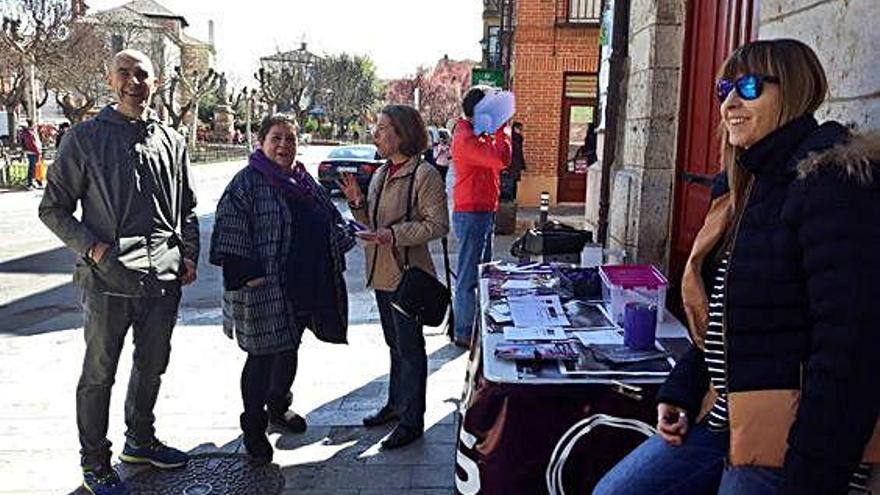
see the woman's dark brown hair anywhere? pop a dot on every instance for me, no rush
(409, 126)
(272, 120)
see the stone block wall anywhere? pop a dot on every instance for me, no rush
(642, 184)
(843, 35)
(544, 53)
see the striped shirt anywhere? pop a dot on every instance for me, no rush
(714, 353)
(717, 419)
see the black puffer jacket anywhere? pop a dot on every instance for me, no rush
(802, 319)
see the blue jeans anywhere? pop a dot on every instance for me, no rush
(408, 379)
(697, 467)
(474, 232)
(32, 168)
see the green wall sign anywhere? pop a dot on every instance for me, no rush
(488, 77)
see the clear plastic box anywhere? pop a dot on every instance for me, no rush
(627, 283)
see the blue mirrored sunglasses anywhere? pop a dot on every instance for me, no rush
(748, 86)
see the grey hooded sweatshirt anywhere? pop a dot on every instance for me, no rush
(132, 180)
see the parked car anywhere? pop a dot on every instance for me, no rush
(361, 160)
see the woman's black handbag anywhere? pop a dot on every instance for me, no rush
(420, 295)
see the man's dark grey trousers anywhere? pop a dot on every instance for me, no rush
(107, 320)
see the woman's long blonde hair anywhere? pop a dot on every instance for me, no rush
(802, 88)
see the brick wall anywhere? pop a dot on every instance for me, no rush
(543, 53)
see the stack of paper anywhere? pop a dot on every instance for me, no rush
(537, 311)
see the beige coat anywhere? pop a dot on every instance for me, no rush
(430, 220)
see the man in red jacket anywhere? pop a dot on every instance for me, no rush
(478, 161)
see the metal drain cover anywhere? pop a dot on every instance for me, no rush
(210, 474)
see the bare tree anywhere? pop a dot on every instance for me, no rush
(33, 29)
(284, 88)
(78, 76)
(13, 79)
(128, 29)
(182, 93)
(287, 80)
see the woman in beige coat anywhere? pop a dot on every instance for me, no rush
(401, 138)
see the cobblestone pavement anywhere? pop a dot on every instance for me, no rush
(41, 350)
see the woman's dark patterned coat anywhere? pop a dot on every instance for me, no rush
(254, 221)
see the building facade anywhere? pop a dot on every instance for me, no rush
(553, 72)
(149, 27)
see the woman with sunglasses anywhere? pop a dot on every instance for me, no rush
(780, 393)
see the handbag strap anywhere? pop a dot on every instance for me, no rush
(409, 202)
(443, 241)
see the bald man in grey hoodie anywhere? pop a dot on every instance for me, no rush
(137, 243)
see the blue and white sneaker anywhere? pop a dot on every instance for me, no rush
(104, 482)
(156, 453)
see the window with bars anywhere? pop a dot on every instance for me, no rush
(584, 11)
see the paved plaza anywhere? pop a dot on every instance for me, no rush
(41, 349)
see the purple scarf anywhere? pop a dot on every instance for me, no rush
(301, 187)
(299, 184)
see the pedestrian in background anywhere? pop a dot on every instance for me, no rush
(511, 176)
(780, 394)
(442, 156)
(394, 239)
(479, 159)
(62, 129)
(33, 150)
(282, 245)
(137, 243)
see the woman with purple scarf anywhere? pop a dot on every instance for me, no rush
(281, 244)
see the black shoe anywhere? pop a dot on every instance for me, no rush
(402, 435)
(384, 415)
(255, 441)
(289, 421)
(258, 448)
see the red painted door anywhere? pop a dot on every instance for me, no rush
(713, 29)
(572, 182)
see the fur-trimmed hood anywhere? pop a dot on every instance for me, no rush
(858, 156)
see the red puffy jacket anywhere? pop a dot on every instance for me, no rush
(478, 161)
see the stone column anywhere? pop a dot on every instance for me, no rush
(643, 177)
(843, 35)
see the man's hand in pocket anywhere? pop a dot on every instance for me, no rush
(189, 275)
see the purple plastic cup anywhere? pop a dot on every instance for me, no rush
(639, 326)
